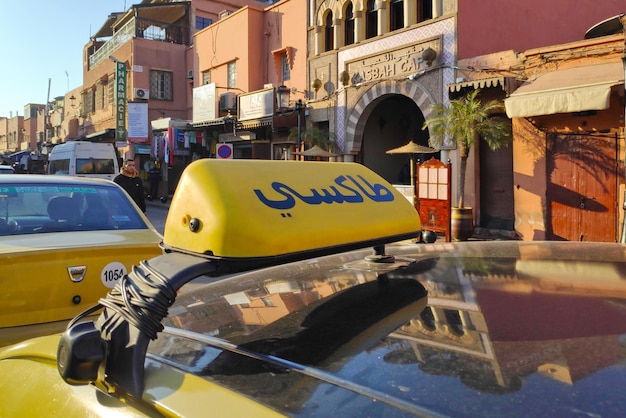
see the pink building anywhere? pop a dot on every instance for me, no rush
(241, 63)
(376, 68)
(137, 68)
(486, 26)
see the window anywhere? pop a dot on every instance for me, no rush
(161, 85)
(90, 105)
(349, 26)
(206, 77)
(232, 74)
(396, 15)
(329, 41)
(202, 22)
(371, 20)
(59, 166)
(110, 97)
(428, 318)
(95, 166)
(284, 66)
(102, 96)
(455, 324)
(424, 10)
(92, 207)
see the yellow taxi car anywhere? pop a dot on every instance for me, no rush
(298, 289)
(64, 243)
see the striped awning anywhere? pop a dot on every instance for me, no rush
(255, 123)
(568, 90)
(479, 84)
(212, 122)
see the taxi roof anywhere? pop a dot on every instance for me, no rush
(230, 216)
(510, 329)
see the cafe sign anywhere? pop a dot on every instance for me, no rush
(392, 63)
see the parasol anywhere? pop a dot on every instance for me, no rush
(412, 148)
(316, 151)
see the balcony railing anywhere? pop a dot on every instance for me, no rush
(121, 37)
(141, 28)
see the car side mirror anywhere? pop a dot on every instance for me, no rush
(80, 353)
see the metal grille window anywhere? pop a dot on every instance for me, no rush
(161, 85)
(90, 105)
(101, 96)
(232, 74)
(110, 93)
(206, 77)
(284, 66)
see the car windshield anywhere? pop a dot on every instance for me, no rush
(41, 208)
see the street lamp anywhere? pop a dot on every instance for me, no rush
(283, 94)
(282, 97)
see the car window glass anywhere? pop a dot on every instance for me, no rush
(59, 166)
(94, 166)
(28, 209)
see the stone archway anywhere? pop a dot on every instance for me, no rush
(358, 115)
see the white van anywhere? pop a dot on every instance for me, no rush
(84, 159)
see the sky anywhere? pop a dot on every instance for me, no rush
(43, 40)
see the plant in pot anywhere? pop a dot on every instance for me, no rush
(461, 124)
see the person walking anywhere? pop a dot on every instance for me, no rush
(132, 183)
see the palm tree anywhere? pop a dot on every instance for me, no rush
(314, 136)
(464, 121)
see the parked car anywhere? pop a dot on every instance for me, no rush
(64, 243)
(6, 169)
(319, 302)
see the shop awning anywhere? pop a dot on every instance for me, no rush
(563, 91)
(478, 84)
(255, 123)
(103, 135)
(213, 122)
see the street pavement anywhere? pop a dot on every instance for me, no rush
(157, 213)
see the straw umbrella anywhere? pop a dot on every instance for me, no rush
(316, 151)
(412, 148)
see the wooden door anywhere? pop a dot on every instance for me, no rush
(582, 188)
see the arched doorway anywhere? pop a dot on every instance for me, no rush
(385, 116)
(393, 121)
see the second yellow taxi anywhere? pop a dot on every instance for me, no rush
(64, 243)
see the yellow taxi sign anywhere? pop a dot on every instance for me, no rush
(261, 208)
